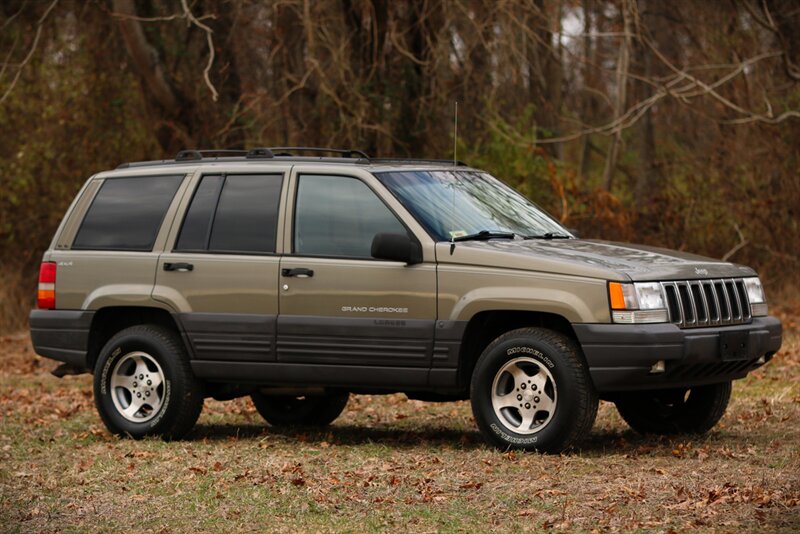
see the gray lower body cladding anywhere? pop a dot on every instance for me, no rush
(620, 356)
(62, 335)
(343, 352)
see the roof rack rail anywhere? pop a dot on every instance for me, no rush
(345, 152)
(457, 163)
(259, 153)
(192, 154)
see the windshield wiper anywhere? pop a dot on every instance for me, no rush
(484, 235)
(548, 236)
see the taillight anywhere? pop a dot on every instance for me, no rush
(46, 298)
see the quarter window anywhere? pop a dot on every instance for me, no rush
(339, 216)
(127, 213)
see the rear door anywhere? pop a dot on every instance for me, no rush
(221, 273)
(360, 320)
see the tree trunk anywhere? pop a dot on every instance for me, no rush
(588, 105)
(547, 73)
(623, 61)
(144, 57)
(649, 175)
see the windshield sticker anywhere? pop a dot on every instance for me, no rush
(457, 233)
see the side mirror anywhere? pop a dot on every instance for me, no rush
(396, 247)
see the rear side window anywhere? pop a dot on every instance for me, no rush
(234, 213)
(126, 213)
(197, 224)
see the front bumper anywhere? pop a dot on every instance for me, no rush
(620, 356)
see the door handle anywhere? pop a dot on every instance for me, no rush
(299, 272)
(180, 267)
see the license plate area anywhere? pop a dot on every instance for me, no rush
(734, 346)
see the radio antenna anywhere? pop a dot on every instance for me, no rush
(455, 137)
(455, 164)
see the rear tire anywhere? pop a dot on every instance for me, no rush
(675, 411)
(316, 410)
(143, 385)
(531, 390)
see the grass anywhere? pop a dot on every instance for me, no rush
(390, 464)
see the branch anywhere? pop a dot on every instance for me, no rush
(10, 53)
(194, 20)
(144, 56)
(792, 70)
(742, 243)
(30, 52)
(691, 88)
(709, 90)
(166, 18)
(15, 15)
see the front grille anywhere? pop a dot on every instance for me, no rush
(696, 303)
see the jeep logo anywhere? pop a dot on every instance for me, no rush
(701, 272)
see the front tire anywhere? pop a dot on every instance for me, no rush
(675, 411)
(143, 385)
(312, 410)
(531, 390)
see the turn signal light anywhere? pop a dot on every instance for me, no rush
(46, 296)
(616, 295)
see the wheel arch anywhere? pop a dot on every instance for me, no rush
(486, 326)
(110, 320)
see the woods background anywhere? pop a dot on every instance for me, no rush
(673, 123)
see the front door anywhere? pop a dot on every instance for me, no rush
(339, 307)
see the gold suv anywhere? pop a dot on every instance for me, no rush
(300, 276)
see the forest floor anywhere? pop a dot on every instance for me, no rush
(391, 464)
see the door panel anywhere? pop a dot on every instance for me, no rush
(357, 312)
(337, 304)
(228, 303)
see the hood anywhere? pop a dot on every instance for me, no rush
(591, 258)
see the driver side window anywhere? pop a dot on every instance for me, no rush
(339, 216)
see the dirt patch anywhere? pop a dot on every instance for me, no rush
(18, 357)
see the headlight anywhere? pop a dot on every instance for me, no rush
(640, 302)
(755, 294)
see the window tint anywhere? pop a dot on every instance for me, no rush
(197, 223)
(126, 213)
(247, 214)
(339, 216)
(236, 213)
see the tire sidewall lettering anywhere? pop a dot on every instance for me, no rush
(104, 379)
(530, 440)
(526, 350)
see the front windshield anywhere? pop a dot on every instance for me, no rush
(458, 203)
